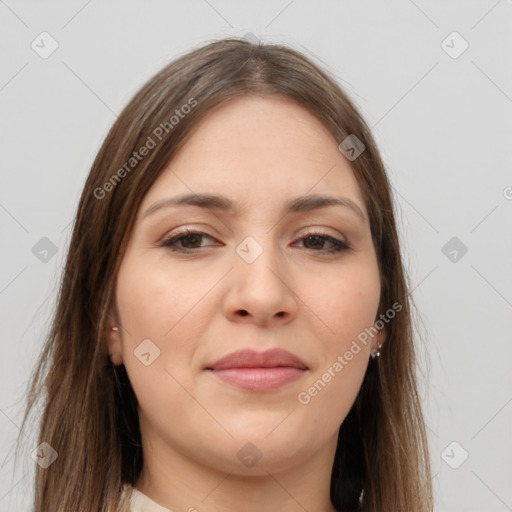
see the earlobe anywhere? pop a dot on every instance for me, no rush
(112, 338)
(116, 359)
(380, 338)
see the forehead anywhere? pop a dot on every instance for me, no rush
(258, 149)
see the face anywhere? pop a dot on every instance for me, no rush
(199, 283)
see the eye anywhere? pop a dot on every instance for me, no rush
(317, 239)
(190, 240)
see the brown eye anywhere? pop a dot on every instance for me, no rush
(315, 242)
(189, 240)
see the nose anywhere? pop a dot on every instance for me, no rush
(260, 289)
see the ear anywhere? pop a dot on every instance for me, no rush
(112, 338)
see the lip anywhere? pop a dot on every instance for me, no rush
(259, 371)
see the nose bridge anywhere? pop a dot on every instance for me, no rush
(258, 257)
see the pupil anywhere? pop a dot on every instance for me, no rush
(314, 238)
(189, 237)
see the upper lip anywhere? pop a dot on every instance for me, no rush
(248, 358)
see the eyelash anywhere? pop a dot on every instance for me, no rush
(339, 246)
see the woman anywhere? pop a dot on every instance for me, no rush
(233, 330)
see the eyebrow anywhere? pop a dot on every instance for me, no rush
(222, 203)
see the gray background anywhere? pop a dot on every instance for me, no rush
(444, 128)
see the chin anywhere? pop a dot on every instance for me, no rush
(250, 452)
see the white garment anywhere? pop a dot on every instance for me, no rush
(142, 503)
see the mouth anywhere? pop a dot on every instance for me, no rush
(259, 371)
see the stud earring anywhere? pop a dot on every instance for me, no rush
(115, 328)
(377, 352)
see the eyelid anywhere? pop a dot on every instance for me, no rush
(323, 231)
(183, 231)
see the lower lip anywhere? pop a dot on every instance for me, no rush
(259, 379)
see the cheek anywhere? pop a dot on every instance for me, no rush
(153, 297)
(348, 306)
(159, 302)
(345, 302)
(153, 304)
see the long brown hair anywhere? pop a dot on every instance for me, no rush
(89, 411)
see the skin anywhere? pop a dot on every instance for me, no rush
(197, 307)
